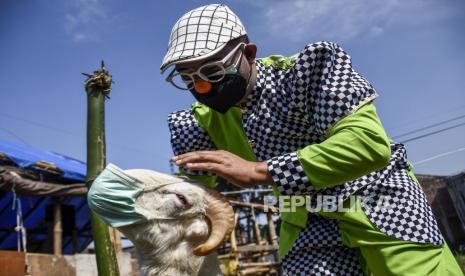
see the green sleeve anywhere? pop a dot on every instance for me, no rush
(356, 146)
(208, 180)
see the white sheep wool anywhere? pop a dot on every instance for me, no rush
(166, 218)
(114, 194)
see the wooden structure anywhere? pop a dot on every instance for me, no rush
(446, 195)
(44, 212)
(253, 245)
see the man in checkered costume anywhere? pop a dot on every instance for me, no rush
(307, 126)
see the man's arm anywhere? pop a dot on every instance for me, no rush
(337, 104)
(356, 145)
(186, 136)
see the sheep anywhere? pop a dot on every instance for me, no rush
(184, 222)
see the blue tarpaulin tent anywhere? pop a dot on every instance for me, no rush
(34, 207)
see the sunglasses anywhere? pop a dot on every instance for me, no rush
(211, 72)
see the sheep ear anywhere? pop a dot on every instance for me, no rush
(221, 216)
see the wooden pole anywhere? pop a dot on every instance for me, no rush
(258, 235)
(234, 255)
(253, 205)
(116, 238)
(233, 235)
(272, 229)
(57, 227)
(273, 237)
(97, 87)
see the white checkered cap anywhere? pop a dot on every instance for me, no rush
(202, 33)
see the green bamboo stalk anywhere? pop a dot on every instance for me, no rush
(97, 87)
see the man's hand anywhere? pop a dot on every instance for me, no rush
(238, 171)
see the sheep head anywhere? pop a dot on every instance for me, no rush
(161, 199)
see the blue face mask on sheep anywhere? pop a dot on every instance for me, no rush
(123, 198)
(113, 195)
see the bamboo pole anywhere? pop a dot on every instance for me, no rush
(258, 235)
(233, 235)
(116, 239)
(271, 228)
(253, 205)
(57, 226)
(97, 87)
(272, 231)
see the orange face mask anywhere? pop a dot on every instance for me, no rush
(202, 86)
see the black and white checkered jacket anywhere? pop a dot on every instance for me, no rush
(295, 107)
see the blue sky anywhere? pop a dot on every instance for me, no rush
(411, 51)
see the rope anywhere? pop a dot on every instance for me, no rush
(20, 229)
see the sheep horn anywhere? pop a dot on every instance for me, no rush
(221, 216)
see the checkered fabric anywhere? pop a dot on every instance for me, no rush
(290, 109)
(187, 136)
(391, 199)
(287, 171)
(328, 234)
(202, 32)
(321, 254)
(331, 260)
(398, 207)
(278, 168)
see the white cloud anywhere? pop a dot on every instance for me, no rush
(85, 20)
(348, 19)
